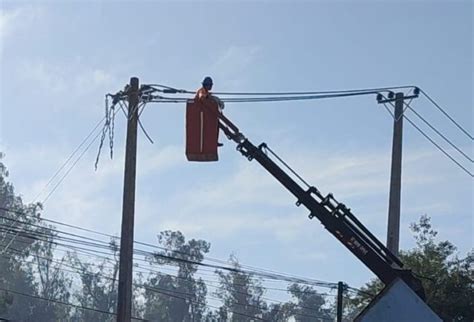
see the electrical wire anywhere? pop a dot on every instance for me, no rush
(106, 246)
(368, 90)
(63, 303)
(173, 90)
(446, 114)
(438, 132)
(292, 278)
(188, 280)
(439, 147)
(68, 159)
(157, 289)
(71, 168)
(434, 143)
(165, 99)
(216, 287)
(268, 298)
(298, 280)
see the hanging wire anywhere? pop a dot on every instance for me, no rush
(106, 128)
(111, 130)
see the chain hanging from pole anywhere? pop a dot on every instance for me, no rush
(109, 125)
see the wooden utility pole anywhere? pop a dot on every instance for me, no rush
(340, 291)
(124, 305)
(393, 228)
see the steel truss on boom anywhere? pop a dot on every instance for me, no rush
(334, 215)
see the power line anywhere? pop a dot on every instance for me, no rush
(149, 90)
(433, 142)
(77, 270)
(446, 114)
(277, 277)
(208, 305)
(75, 162)
(439, 147)
(270, 274)
(68, 159)
(159, 290)
(172, 90)
(96, 253)
(165, 99)
(359, 291)
(62, 303)
(35, 235)
(265, 298)
(69, 170)
(438, 132)
(94, 244)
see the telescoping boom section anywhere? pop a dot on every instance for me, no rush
(335, 216)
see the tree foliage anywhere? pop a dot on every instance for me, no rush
(241, 294)
(26, 260)
(172, 289)
(310, 305)
(448, 280)
(181, 297)
(99, 286)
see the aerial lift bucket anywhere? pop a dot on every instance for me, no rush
(202, 130)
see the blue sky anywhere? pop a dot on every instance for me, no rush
(58, 59)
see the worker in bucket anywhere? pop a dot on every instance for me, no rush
(204, 92)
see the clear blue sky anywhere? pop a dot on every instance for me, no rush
(58, 60)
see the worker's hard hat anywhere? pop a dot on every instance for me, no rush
(207, 81)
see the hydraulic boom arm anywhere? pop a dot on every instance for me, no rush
(334, 216)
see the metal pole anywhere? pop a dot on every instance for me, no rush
(124, 305)
(393, 228)
(340, 291)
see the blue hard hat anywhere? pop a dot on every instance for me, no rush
(207, 81)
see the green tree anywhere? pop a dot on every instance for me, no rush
(310, 305)
(26, 261)
(241, 294)
(51, 282)
(17, 226)
(447, 279)
(99, 286)
(181, 297)
(279, 312)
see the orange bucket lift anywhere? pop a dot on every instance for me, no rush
(202, 130)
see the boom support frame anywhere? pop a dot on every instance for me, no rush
(333, 215)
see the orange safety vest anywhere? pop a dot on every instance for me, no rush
(202, 93)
